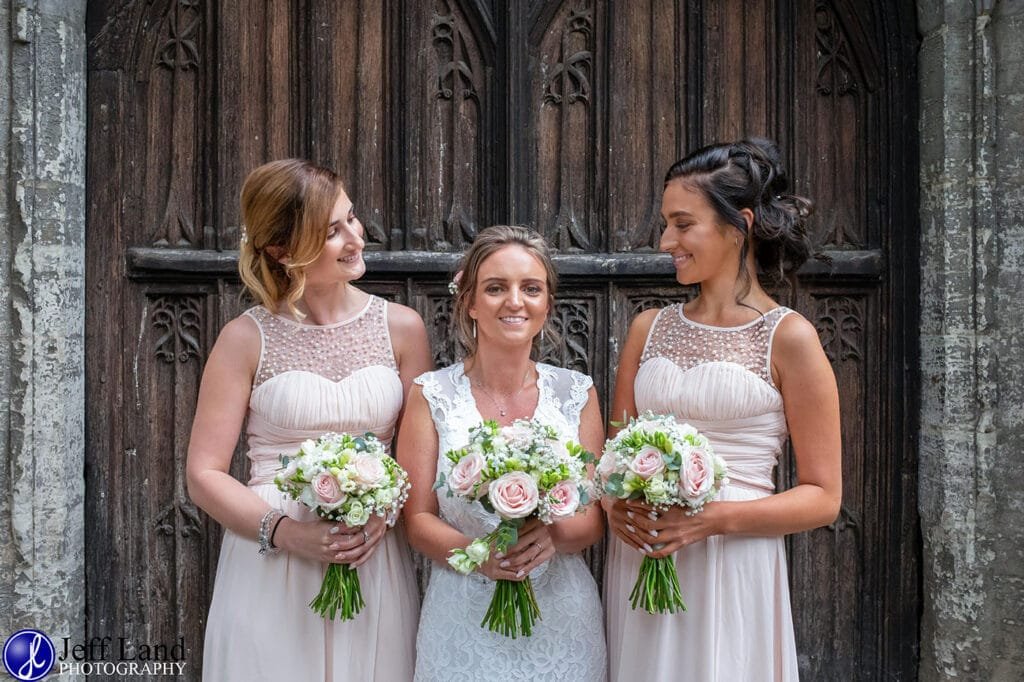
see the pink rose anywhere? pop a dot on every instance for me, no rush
(606, 467)
(563, 499)
(367, 470)
(466, 473)
(514, 495)
(696, 476)
(326, 488)
(647, 462)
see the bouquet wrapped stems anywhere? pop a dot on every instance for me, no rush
(513, 609)
(516, 472)
(340, 591)
(663, 463)
(657, 586)
(344, 479)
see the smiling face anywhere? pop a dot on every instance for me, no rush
(342, 256)
(511, 299)
(701, 246)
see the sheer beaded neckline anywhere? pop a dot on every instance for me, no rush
(688, 344)
(334, 351)
(342, 323)
(732, 328)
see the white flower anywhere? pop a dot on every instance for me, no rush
(384, 496)
(478, 551)
(357, 514)
(461, 562)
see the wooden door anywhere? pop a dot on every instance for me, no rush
(445, 116)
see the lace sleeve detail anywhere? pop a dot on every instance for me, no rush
(577, 400)
(439, 403)
(568, 390)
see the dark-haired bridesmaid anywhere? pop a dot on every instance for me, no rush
(749, 374)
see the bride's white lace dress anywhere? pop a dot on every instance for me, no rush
(568, 642)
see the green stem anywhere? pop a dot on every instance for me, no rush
(340, 591)
(513, 609)
(657, 587)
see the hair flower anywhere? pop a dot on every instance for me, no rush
(453, 286)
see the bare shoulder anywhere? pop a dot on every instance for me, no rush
(642, 323)
(404, 320)
(796, 343)
(237, 350)
(240, 335)
(795, 334)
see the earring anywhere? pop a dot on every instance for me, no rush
(474, 329)
(542, 336)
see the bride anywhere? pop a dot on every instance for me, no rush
(502, 308)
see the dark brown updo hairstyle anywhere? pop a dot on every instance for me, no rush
(286, 210)
(749, 174)
(487, 242)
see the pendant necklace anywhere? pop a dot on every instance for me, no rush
(502, 411)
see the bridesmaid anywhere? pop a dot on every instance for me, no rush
(317, 355)
(748, 373)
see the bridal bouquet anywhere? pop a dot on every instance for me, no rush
(517, 472)
(664, 463)
(344, 478)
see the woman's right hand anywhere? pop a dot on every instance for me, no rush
(622, 525)
(533, 548)
(329, 542)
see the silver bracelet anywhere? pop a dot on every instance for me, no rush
(264, 534)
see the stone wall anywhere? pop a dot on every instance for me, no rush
(42, 305)
(972, 339)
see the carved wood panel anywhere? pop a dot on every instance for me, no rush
(449, 115)
(446, 98)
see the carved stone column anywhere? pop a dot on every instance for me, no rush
(42, 308)
(972, 344)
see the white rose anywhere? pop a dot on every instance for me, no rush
(357, 514)
(368, 470)
(478, 551)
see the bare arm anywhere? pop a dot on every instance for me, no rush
(624, 404)
(578, 532)
(417, 453)
(223, 402)
(811, 403)
(428, 533)
(410, 345)
(624, 399)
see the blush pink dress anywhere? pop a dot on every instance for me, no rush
(312, 380)
(738, 624)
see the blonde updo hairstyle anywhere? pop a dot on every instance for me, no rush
(286, 211)
(487, 243)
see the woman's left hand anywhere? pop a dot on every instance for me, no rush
(533, 548)
(373, 532)
(667, 531)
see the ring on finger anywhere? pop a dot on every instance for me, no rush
(366, 537)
